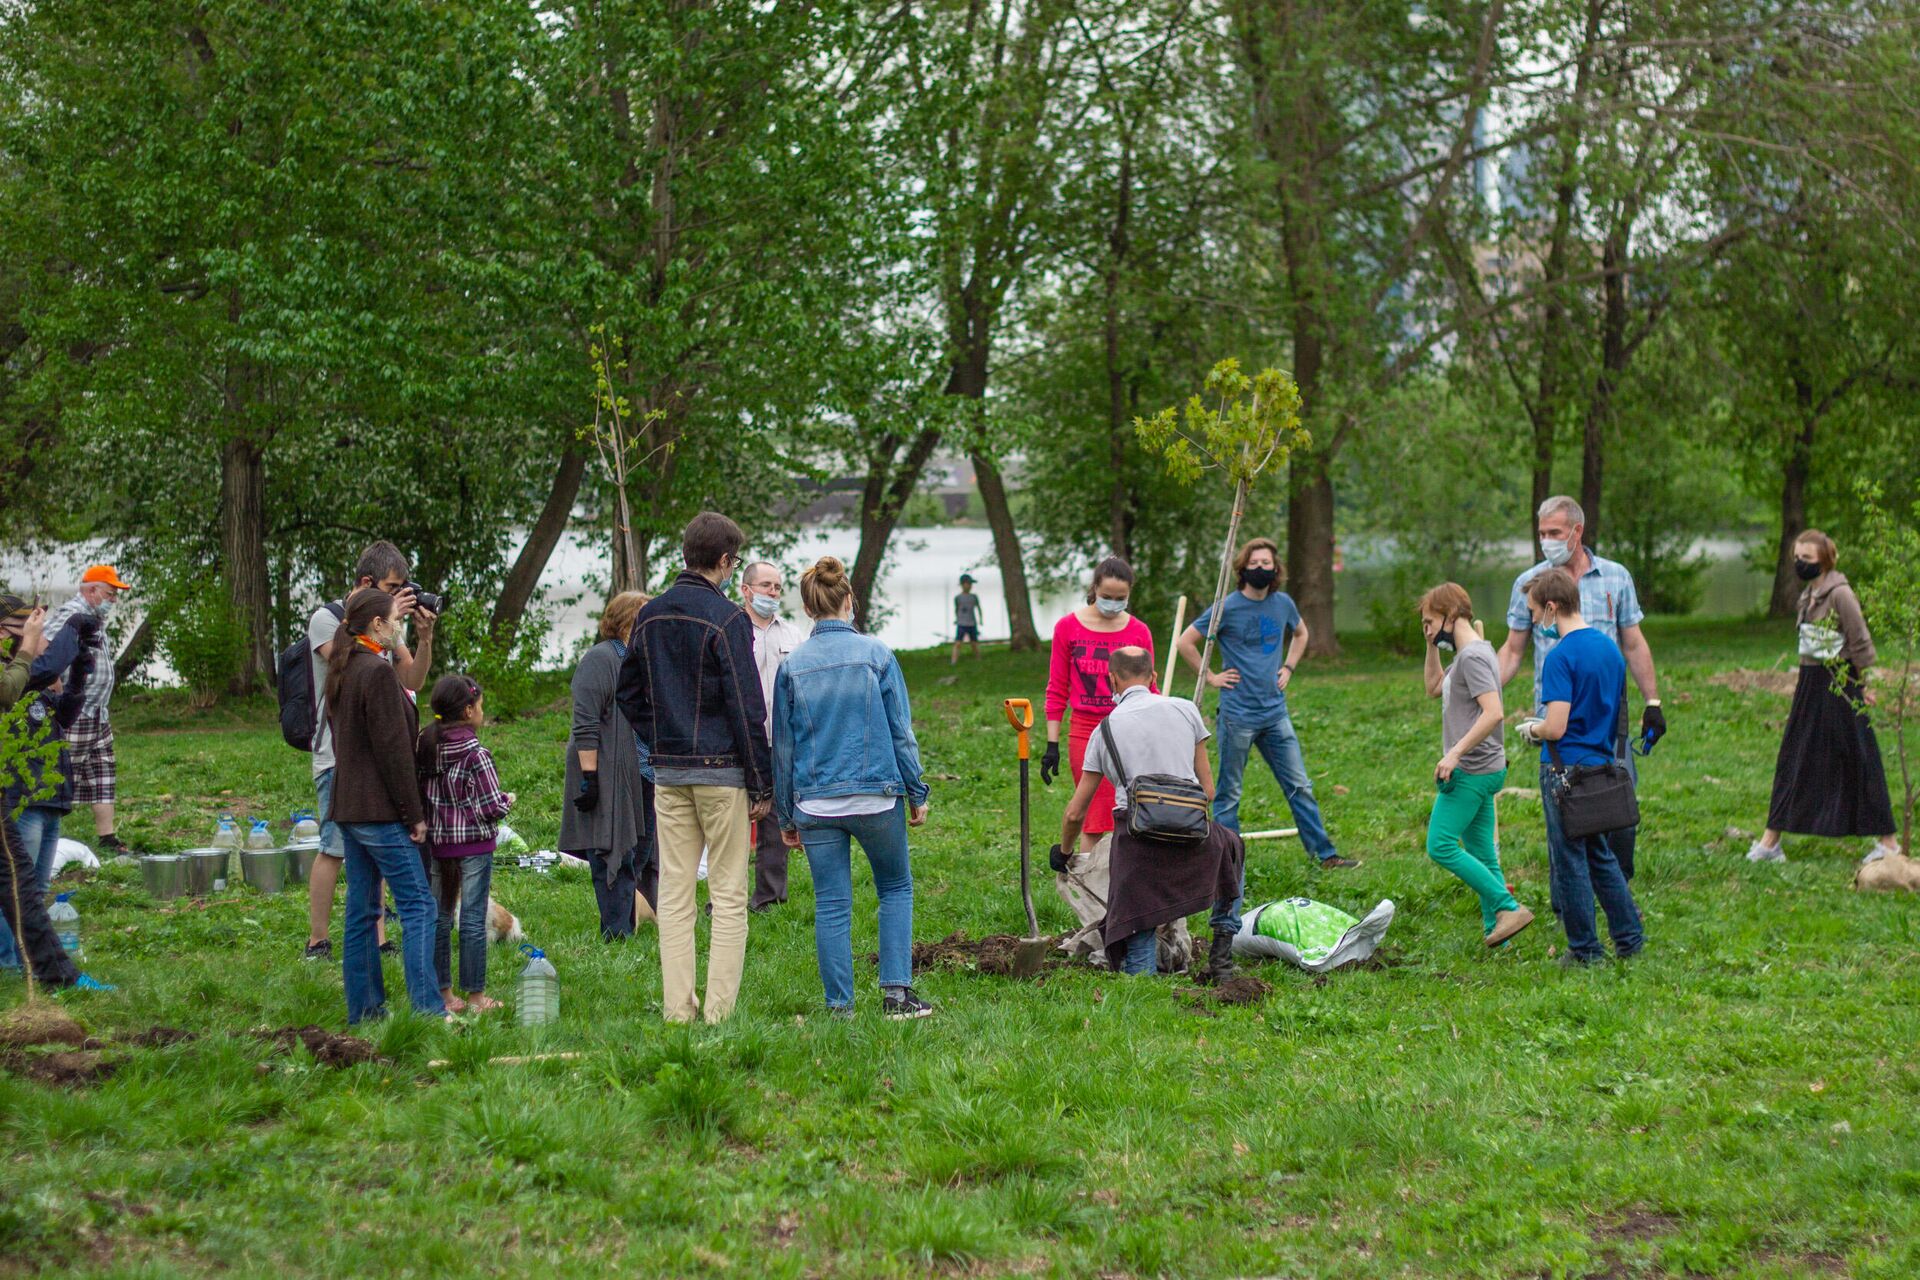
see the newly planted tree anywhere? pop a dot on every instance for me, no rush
(1250, 425)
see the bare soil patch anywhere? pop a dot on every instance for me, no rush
(64, 1068)
(991, 955)
(329, 1048)
(27, 1025)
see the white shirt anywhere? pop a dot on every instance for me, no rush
(771, 645)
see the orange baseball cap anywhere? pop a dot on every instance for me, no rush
(104, 573)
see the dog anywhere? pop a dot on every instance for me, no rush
(502, 924)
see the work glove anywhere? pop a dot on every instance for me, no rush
(1057, 860)
(1653, 727)
(1049, 763)
(587, 799)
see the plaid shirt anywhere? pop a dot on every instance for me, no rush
(464, 800)
(100, 687)
(1608, 602)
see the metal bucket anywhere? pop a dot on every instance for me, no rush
(165, 875)
(300, 855)
(265, 869)
(204, 868)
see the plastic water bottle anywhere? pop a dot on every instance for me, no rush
(539, 999)
(226, 833)
(260, 837)
(66, 924)
(305, 826)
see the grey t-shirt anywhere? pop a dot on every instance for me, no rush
(1155, 734)
(320, 630)
(1475, 671)
(966, 609)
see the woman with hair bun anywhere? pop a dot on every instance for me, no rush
(847, 768)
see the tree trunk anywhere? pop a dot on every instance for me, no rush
(1613, 363)
(1785, 600)
(890, 483)
(243, 547)
(1119, 500)
(524, 577)
(1006, 549)
(1310, 548)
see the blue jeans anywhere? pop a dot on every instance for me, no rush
(1143, 948)
(1280, 747)
(379, 851)
(1621, 842)
(829, 845)
(40, 839)
(1584, 871)
(465, 881)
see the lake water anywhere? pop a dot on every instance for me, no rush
(918, 584)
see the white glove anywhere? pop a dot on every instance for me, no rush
(1530, 730)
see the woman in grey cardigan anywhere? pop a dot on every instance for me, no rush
(608, 819)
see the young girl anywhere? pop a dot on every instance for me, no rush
(464, 808)
(1461, 834)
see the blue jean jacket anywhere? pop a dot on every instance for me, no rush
(841, 723)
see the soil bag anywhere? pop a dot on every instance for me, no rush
(1310, 935)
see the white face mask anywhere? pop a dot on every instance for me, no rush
(104, 608)
(1557, 551)
(1112, 608)
(765, 606)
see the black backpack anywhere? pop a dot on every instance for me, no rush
(294, 682)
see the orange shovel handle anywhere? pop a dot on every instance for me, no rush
(1020, 716)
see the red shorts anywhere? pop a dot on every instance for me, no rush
(1100, 812)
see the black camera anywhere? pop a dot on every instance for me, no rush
(436, 605)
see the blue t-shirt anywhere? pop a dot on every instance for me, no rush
(1253, 640)
(1585, 670)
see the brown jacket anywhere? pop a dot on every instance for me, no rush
(1829, 596)
(374, 731)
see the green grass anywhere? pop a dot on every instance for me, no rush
(1740, 1102)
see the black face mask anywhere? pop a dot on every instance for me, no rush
(1258, 579)
(1807, 570)
(1443, 638)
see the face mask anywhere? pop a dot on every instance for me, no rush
(1111, 608)
(1443, 640)
(1547, 630)
(1557, 551)
(104, 608)
(1808, 570)
(765, 606)
(1258, 579)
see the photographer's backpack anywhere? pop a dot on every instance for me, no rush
(293, 681)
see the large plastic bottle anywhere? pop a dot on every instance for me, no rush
(260, 837)
(305, 826)
(539, 998)
(226, 833)
(66, 923)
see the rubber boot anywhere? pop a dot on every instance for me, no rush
(1219, 960)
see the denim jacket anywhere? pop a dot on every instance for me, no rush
(841, 723)
(690, 689)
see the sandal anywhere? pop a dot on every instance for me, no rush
(480, 1002)
(453, 1002)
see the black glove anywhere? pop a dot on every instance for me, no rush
(1049, 763)
(82, 669)
(85, 625)
(1057, 860)
(1653, 726)
(587, 799)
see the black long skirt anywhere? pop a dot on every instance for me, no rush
(1829, 780)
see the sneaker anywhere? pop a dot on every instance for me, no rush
(905, 1005)
(1338, 863)
(388, 948)
(1878, 852)
(1759, 851)
(87, 982)
(1508, 923)
(321, 950)
(840, 1012)
(111, 843)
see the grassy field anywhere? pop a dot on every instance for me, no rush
(1739, 1102)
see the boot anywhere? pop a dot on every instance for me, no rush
(1219, 960)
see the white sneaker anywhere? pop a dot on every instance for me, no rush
(1760, 851)
(1878, 852)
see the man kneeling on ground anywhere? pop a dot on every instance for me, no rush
(1155, 881)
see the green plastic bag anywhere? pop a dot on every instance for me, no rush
(1310, 935)
(509, 843)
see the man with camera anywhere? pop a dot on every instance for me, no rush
(1169, 858)
(381, 565)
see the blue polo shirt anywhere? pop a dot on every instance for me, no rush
(1608, 602)
(1253, 640)
(1585, 671)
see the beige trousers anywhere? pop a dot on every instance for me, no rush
(692, 818)
(1083, 887)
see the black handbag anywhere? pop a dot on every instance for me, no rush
(1596, 798)
(1160, 806)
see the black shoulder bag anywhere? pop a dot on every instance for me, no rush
(1596, 798)
(1160, 806)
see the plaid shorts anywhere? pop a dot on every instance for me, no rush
(90, 751)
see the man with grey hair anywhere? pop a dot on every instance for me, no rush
(761, 589)
(1608, 604)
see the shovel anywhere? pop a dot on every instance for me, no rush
(1030, 951)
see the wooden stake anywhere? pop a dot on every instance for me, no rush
(1173, 650)
(1277, 833)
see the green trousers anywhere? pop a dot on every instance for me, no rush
(1462, 837)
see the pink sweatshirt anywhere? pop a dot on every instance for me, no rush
(1077, 677)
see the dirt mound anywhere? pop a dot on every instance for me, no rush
(34, 1024)
(64, 1069)
(992, 954)
(1743, 681)
(158, 1037)
(1233, 993)
(328, 1048)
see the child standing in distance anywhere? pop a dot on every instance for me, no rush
(966, 618)
(464, 808)
(1462, 834)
